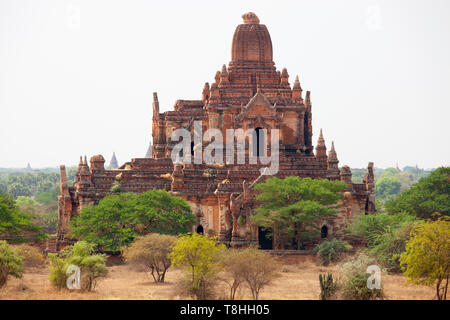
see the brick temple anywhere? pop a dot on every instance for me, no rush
(249, 93)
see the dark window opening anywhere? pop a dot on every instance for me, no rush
(192, 148)
(258, 142)
(324, 232)
(200, 229)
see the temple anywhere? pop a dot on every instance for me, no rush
(248, 93)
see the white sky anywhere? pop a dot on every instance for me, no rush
(76, 77)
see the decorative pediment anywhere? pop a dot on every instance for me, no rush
(258, 107)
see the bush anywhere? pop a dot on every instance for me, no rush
(355, 276)
(331, 250)
(10, 263)
(197, 255)
(390, 246)
(373, 227)
(31, 256)
(92, 266)
(152, 252)
(328, 287)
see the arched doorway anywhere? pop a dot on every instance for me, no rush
(264, 242)
(200, 229)
(324, 232)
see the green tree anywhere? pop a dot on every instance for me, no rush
(427, 257)
(119, 218)
(197, 254)
(10, 263)
(292, 207)
(14, 223)
(387, 187)
(428, 196)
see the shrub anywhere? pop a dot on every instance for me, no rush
(151, 251)
(197, 255)
(10, 263)
(57, 271)
(391, 245)
(355, 276)
(31, 256)
(92, 266)
(331, 250)
(328, 287)
(373, 227)
(426, 259)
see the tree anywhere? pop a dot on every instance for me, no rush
(10, 263)
(428, 196)
(14, 223)
(261, 269)
(119, 218)
(152, 251)
(387, 187)
(232, 262)
(426, 259)
(292, 207)
(197, 255)
(81, 254)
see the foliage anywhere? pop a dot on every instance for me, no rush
(387, 187)
(355, 276)
(151, 251)
(10, 263)
(426, 259)
(373, 227)
(31, 256)
(119, 218)
(328, 287)
(391, 245)
(292, 207)
(14, 223)
(331, 250)
(81, 254)
(196, 254)
(428, 196)
(261, 269)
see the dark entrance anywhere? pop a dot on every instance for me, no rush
(264, 243)
(200, 229)
(324, 232)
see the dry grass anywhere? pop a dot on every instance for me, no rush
(298, 281)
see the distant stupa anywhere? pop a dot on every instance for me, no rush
(113, 163)
(29, 167)
(149, 151)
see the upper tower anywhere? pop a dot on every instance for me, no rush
(251, 42)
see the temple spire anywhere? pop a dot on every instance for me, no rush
(321, 148)
(113, 163)
(297, 91)
(332, 164)
(149, 151)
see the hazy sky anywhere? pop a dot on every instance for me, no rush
(76, 77)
